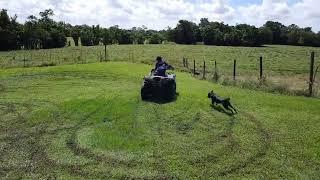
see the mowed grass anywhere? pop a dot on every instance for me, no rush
(88, 122)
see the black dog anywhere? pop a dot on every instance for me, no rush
(225, 102)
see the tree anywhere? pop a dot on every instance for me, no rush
(170, 34)
(307, 38)
(156, 38)
(125, 37)
(293, 34)
(115, 34)
(278, 32)
(317, 39)
(232, 38)
(75, 34)
(185, 32)
(212, 36)
(249, 35)
(31, 36)
(59, 39)
(106, 38)
(10, 32)
(138, 35)
(96, 34)
(87, 36)
(44, 32)
(203, 23)
(265, 35)
(46, 14)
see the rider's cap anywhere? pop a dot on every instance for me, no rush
(159, 58)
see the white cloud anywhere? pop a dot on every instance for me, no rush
(158, 14)
(155, 14)
(303, 13)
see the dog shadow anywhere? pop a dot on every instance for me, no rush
(222, 110)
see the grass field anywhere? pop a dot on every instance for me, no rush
(287, 66)
(88, 122)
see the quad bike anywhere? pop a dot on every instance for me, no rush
(158, 87)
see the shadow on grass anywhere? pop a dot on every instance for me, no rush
(222, 110)
(160, 100)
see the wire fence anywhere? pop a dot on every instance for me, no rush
(246, 70)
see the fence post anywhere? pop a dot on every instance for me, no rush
(311, 81)
(105, 52)
(187, 64)
(184, 62)
(204, 70)
(194, 67)
(215, 73)
(234, 69)
(215, 66)
(261, 68)
(24, 61)
(132, 56)
(80, 53)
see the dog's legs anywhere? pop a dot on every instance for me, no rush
(233, 108)
(227, 108)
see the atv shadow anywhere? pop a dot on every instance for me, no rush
(222, 110)
(162, 100)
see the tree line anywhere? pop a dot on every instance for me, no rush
(43, 32)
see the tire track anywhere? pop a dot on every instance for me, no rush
(265, 139)
(38, 156)
(19, 120)
(77, 150)
(30, 141)
(159, 165)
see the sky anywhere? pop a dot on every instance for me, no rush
(159, 14)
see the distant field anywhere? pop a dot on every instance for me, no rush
(282, 64)
(88, 122)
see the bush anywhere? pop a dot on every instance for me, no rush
(250, 84)
(45, 64)
(216, 77)
(263, 85)
(156, 38)
(168, 42)
(228, 82)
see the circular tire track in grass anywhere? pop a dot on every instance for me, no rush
(39, 161)
(23, 140)
(20, 140)
(77, 150)
(15, 130)
(264, 138)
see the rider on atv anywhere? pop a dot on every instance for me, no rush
(161, 67)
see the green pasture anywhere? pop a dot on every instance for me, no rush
(277, 59)
(87, 121)
(285, 67)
